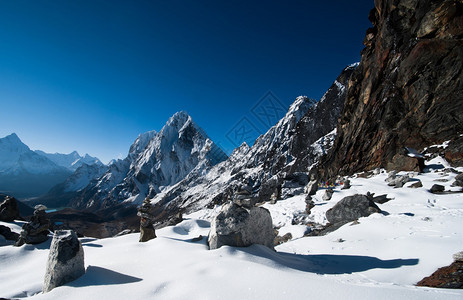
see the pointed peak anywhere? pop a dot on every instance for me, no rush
(181, 116)
(12, 139)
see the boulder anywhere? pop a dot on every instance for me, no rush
(346, 185)
(9, 210)
(282, 239)
(397, 181)
(65, 260)
(241, 227)
(415, 185)
(458, 180)
(8, 234)
(327, 195)
(437, 188)
(351, 208)
(381, 199)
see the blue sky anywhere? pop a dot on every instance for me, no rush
(91, 75)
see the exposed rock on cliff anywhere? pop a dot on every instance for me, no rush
(407, 90)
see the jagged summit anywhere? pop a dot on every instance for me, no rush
(156, 160)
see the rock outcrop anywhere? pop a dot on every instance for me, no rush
(65, 260)
(37, 229)
(241, 227)
(8, 234)
(407, 90)
(450, 277)
(9, 210)
(351, 208)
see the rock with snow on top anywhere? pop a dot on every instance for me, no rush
(65, 260)
(240, 227)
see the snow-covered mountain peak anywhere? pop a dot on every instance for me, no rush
(13, 142)
(299, 107)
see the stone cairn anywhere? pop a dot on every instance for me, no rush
(146, 221)
(37, 229)
(65, 260)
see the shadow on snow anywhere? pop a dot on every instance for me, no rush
(327, 263)
(101, 276)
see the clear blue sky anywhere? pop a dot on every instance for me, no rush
(91, 75)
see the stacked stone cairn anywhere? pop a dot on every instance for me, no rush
(147, 231)
(37, 229)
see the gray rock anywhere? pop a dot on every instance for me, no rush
(458, 180)
(312, 187)
(240, 227)
(415, 185)
(346, 185)
(437, 188)
(8, 234)
(9, 210)
(282, 239)
(381, 199)
(397, 181)
(65, 260)
(351, 208)
(327, 195)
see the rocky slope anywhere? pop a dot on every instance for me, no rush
(24, 173)
(155, 161)
(407, 90)
(276, 165)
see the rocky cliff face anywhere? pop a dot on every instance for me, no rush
(407, 90)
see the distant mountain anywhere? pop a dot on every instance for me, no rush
(156, 160)
(24, 173)
(60, 194)
(71, 161)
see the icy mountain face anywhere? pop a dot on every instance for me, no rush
(71, 161)
(277, 164)
(155, 161)
(24, 173)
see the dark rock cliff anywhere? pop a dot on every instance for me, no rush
(407, 90)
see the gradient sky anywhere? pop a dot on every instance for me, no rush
(91, 75)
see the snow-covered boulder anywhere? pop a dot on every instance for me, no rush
(65, 260)
(241, 227)
(351, 208)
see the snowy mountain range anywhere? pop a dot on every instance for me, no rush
(278, 163)
(71, 161)
(25, 173)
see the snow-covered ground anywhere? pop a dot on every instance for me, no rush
(382, 257)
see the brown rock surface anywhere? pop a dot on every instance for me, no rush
(446, 277)
(407, 90)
